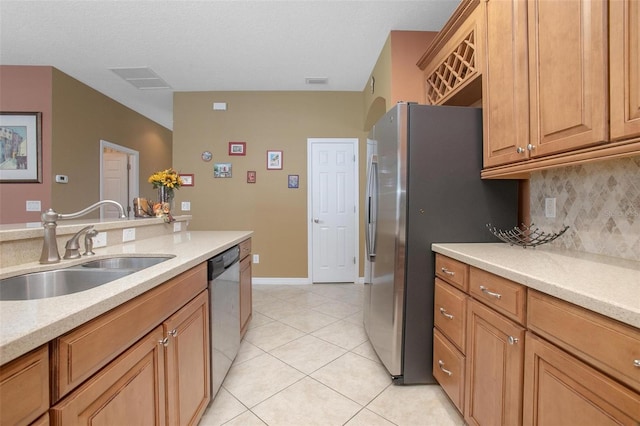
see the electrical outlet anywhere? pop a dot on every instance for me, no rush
(33, 206)
(186, 206)
(177, 226)
(100, 240)
(256, 258)
(549, 207)
(128, 234)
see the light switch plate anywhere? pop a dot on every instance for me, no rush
(33, 206)
(128, 234)
(550, 207)
(100, 240)
(177, 226)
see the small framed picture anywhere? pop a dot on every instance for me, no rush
(20, 147)
(251, 176)
(187, 179)
(274, 160)
(222, 170)
(237, 148)
(293, 181)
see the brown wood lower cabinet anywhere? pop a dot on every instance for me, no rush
(129, 390)
(24, 388)
(246, 299)
(561, 390)
(187, 359)
(162, 379)
(495, 349)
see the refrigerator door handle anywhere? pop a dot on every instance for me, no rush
(372, 208)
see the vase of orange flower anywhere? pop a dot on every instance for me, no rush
(166, 181)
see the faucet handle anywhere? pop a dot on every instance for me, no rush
(88, 242)
(72, 247)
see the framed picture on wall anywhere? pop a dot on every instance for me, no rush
(187, 179)
(274, 160)
(222, 170)
(237, 148)
(293, 181)
(251, 176)
(20, 147)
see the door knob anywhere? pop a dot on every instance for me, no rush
(316, 220)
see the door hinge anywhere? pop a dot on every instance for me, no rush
(354, 260)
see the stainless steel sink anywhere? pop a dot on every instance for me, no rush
(40, 285)
(136, 263)
(60, 282)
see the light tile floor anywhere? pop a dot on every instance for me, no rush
(306, 360)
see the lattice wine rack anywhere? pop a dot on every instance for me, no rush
(456, 69)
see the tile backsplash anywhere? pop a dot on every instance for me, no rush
(599, 201)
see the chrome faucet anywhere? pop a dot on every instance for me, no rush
(72, 248)
(50, 252)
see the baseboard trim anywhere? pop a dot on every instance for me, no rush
(289, 281)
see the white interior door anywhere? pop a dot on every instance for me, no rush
(333, 210)
(115, 181)
(118, 177)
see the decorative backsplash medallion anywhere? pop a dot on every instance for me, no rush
(600, 202)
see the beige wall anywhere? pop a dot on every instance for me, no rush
(75, 118)
(27, 89)
(84, 116)
(397, 77)
(265, 121)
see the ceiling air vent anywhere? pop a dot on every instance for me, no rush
(142, 78)
(316, 80)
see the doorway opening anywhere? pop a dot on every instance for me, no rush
(333, 210)
(118, 177)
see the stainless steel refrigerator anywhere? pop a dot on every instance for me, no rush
(423, 187)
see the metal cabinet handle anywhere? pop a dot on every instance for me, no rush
(520, 150)
(636, 363)
(444, 370)
(173, 333)
(444, 312)
(512, 340)
(446, 271)
(531, 147)
(490, 293)
(164, 342)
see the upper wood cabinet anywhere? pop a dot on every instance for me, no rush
(505, 82)
(545, 78)
(567, 74)
(624, 69)
(453, 63)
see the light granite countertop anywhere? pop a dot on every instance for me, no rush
(25, 325)
(607, 285)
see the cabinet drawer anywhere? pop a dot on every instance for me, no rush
(501, 294)
(450, 313)
(607, 344)
(24, 388)
(454, 272)
(245, 248)
(448, 369)
(83, 351)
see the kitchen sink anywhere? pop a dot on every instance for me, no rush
(136, 263)
(60, 282)
(41, 285)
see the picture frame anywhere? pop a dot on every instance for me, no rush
(187, 179)
(274, 160)
(222, 170)
(237, 148)
(251, 176)
(293, 181)
(20, 147)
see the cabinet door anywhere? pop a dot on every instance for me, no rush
(505, 82)
(187, 359)
(245, 294)
(495, 350)
(128, 391)
(624, 57)
(560, 390)
(568, 74)
(24, 388)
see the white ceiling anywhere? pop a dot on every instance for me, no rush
(209, 45)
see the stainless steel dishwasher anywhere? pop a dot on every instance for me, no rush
(224, 301)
